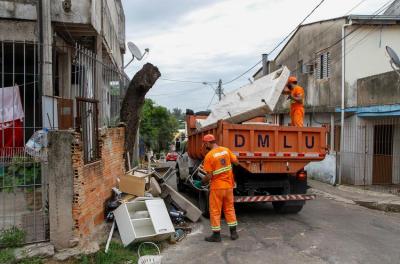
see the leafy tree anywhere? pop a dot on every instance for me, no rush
(157, 126)
(179, 115)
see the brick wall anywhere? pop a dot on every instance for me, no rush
(92, 182)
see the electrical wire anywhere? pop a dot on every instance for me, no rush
(184, 81)
(312, 11)
(212, 99)
(375, 14)
(280, 43)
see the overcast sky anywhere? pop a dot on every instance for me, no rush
(204, 40)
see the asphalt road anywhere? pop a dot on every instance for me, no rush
(325, 231)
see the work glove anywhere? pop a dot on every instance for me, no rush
(197, 184)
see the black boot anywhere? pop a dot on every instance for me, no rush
(234, 234)
(215, 237)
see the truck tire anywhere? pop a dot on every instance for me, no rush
(287, 207)
(203, 203)
(180, 185)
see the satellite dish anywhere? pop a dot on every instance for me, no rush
(394, 59)
(136, 53)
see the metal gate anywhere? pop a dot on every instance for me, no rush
(23, 196)
(371, 153)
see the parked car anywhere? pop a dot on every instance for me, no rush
(172, 156)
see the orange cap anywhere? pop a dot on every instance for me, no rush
(292, 79)
(208, 138)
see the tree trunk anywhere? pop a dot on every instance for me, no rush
(134, 100)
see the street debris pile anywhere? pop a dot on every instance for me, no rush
(249, 101)
(145, 208)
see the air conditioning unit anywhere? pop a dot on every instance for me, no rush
(308, 68)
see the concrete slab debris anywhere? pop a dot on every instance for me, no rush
(191, 211)
(250, 101)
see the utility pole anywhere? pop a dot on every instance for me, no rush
(265, 69)
(219, 90)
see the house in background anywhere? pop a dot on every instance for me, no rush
(348, 52)
(61, 62)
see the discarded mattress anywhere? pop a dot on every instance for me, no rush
(250, 101)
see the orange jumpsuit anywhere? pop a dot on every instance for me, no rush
(218, 163)
(296, 108)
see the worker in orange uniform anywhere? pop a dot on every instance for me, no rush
(218, 166)
(296, 96)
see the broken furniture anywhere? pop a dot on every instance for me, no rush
(191, 211)
(143, 219)
(134, 182)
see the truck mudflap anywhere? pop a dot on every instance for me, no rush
(274, 198)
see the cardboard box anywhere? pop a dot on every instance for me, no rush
(134, 183)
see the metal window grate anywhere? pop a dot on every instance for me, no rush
(87, 124)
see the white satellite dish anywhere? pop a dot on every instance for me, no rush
(136, 53)
(394, 59)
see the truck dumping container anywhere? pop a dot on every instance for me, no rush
(272, 160)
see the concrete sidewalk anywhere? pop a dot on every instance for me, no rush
(352, 195)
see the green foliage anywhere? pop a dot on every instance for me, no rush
(13, 237)
(35, 260)
(179, 115)
(117, 253)
(157, 126)
(7, 256)
(21, 171)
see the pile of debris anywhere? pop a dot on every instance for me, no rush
(145, 208)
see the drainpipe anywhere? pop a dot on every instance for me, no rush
(339, 180)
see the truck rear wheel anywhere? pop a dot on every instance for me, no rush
(288, 207)
(204, 203)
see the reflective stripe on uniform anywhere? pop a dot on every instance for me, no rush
(221, 170)
(215, 228)
(232, 224)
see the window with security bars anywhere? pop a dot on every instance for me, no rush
(322, 66)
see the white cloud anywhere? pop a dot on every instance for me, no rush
(221, 40)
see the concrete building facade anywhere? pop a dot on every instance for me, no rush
(347, 52)
(61, 63)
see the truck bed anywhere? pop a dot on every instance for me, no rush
(263, 148)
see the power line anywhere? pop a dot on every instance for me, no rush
(185, 81)
(375, 14)
(212, 99)
(291, 32)
(287, 36)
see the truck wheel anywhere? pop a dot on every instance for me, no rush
(179, 183)
(203, 204)
(287, 207)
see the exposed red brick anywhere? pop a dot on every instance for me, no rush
(93, 182)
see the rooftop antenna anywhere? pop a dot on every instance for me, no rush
(136, 53)
(394, 59)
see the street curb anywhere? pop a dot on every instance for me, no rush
(373, 200)
(381, 206)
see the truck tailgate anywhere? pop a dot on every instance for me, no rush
(265, 148)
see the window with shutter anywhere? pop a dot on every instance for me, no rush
(328, 65)
(322, 66)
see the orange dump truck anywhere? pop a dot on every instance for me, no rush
(272, 160)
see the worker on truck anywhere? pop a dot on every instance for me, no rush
(218, 166)
(296, 96)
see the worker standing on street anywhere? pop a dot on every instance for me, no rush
(296, 96)
(218, 166)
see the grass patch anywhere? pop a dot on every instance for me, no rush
(12, 237)
(117, 253)
(7, 256)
